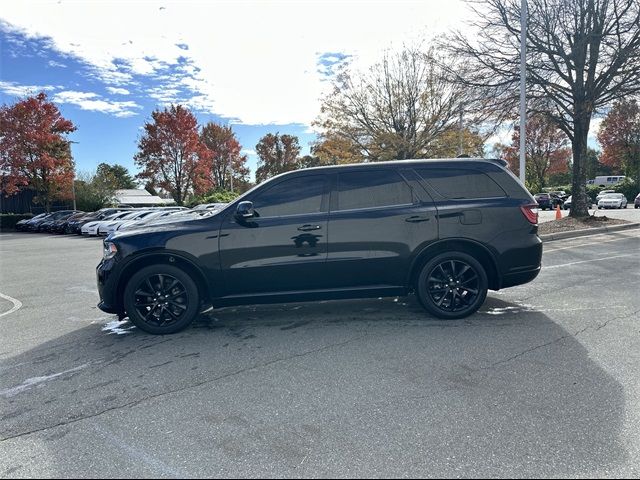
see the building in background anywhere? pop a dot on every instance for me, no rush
(140, 198)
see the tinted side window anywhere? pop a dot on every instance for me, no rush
(292, 197)
(367, 189)
(457, 183)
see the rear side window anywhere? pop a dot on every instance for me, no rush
(370, 189)
(460, 183)
(295, 196)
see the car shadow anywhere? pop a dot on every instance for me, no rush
(506, 392)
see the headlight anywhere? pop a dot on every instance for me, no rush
(109, 250)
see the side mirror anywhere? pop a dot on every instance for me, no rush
(244, 210)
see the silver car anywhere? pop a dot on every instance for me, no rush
(613, 200)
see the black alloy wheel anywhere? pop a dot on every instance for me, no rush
(452, 285)
(161, 299)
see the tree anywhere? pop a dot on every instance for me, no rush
(546, 148)
(394, 110)
(619, 136)
(452, 143)
(277, 154)
(581, 56)
(34, 150)
(227, 166)
(171, 153)
(333, 148)
(116, 175)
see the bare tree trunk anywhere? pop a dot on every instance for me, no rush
(580, 205)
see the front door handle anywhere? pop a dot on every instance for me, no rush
(417, 219)
(308, 228)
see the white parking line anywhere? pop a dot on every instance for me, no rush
(592, 260)
(31, 382)
(550, 250)
(16, 304)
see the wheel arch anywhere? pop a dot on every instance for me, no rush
(475, 249)
(162, 257)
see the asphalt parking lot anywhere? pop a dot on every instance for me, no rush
(543, 382)
(630, 214)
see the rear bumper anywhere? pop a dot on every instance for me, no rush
(519, 278)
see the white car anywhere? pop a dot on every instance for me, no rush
(602, 194)
(147, 219)
(91, 228)
(613, 200)
(106, 228)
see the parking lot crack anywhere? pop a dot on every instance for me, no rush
(139, 401)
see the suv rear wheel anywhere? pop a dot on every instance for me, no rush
(161, 299)
(452, 285)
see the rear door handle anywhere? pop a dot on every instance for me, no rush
(308, 228)
(417, 219)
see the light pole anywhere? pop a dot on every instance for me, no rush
(230, 176)
(523, 97)
(73, 189)
(461, 134)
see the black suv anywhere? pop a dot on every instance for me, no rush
(446, 230)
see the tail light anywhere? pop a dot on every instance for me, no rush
(530, 212)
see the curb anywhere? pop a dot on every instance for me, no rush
(587, 231)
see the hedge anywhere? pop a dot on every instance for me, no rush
(8, 220)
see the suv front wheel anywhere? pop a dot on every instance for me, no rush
(452, 285)
(161, 299)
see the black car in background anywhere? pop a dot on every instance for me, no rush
(75, 226)
(22, 224)
(446, 230)
(36, 223)
(548, 200)
(60, 226)
(48, 224)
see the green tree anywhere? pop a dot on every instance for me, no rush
(116, 175)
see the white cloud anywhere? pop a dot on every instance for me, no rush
(53, 63)
(12, 88)
(118, 91)
(92, 102)
(252, 61)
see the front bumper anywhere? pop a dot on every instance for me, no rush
(107, 286)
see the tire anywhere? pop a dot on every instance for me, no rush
(452, 285)
(161, 299)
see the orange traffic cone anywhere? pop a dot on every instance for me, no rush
(558, 212)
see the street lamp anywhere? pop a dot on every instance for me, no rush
(523, 68)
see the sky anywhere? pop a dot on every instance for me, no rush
(259, 66)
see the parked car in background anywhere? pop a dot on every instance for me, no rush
(602, 194)
(447, 230)
(60, 226)
(567, 203)
(547, 201)
(48, 224)
(209, 206)
(75, 226)
(37, 225)
(636, 202)
(603, 180)
(613, 200)
(105, 228)
(21, 225)
(91, 228)
(561, 194)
